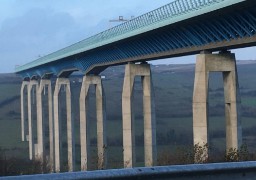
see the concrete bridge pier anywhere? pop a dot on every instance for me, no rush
(45, 83)
(101, 121)
(24, 121)
(224, 62)
(32, 91)
(132, 70)
(58, 124)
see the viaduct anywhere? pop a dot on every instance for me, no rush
(208, 28)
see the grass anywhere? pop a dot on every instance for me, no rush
(8, 90)
(10, 134)
(249, 101)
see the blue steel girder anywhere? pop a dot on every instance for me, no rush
(183, 36)
(243, 19)
(138, 50)
(154, 44)
(231, 30)
(202, 31)
(200, 36)
(176, 40)
(124, 54)
(179, 39)
(170, 39)
(167, 43)
(144, 47)
(242, 25)
(232, 34)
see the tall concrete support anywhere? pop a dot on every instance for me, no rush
(40, 122)
(223, 62)
(57, 126)
(132, 70)
(149, 122)
(32, 91)
(24, 123)
(232, 110)
(101, 121)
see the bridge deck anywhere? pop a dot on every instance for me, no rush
(156, 34)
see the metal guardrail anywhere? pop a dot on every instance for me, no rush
(170, 10)
(234, 171)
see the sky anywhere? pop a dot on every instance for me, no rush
(30, 29)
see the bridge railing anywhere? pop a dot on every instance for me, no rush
(170, 10)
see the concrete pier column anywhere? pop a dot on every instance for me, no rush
(132, 70)
(101, 124)
(40, 121)
(24, 122)
(149, 121)
(223, 62)
(33, 85)
(232, 107)
(57, 126)
(200, 102)
(101, 121)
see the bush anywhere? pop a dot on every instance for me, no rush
(16, 166)
(198, 154)
(241, 154)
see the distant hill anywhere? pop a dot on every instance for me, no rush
(9, 78)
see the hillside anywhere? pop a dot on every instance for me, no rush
(173, 97)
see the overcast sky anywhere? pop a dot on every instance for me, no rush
(33, 28)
